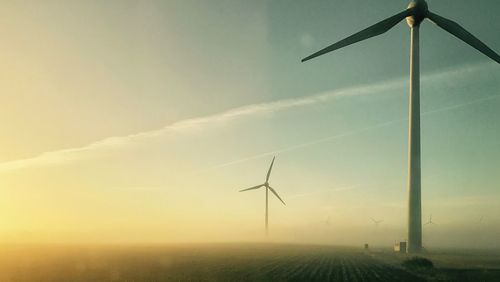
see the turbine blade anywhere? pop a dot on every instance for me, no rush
(251, 188)
(460, 32)
(276, 194)
(270, 168)
(374, 30)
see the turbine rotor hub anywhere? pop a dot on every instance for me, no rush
(420, 12)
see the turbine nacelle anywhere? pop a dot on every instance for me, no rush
(420, 11)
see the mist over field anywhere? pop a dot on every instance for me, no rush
(129, 129)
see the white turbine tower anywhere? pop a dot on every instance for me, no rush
(268, 188)
(416, 12)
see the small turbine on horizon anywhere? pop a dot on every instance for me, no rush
(416, 12)
(430, 221)
(268, 188)
(377, 222)
(327, 221)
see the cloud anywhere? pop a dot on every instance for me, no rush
(353, 132)
(311, 143)
(63, 156)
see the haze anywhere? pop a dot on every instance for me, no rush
(138, 122)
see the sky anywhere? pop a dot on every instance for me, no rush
(139, 121)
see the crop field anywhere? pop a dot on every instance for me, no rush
(228, 262)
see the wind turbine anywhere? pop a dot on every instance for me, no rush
(430, 221)
(416, 12)
(268, 188)
(376, 221)
(327, 221)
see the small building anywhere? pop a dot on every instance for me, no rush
(400, 247)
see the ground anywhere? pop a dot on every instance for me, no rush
(236, 262)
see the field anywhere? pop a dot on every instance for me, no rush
(234, 262)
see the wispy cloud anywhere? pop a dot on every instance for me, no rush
(353, 132)
(64, 156)
(311, 143)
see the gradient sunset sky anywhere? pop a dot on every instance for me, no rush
(139, 121)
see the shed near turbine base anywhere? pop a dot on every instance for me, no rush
(400, 247)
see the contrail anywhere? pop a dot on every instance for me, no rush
(311, 143)
(64, 156)
(354, 132)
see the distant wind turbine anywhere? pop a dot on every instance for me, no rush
(327, 221)
(430, 221)
(268, 188)
(416, 12)
(377, 222)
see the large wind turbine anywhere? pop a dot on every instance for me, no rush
(268, 188)
(416, 12)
